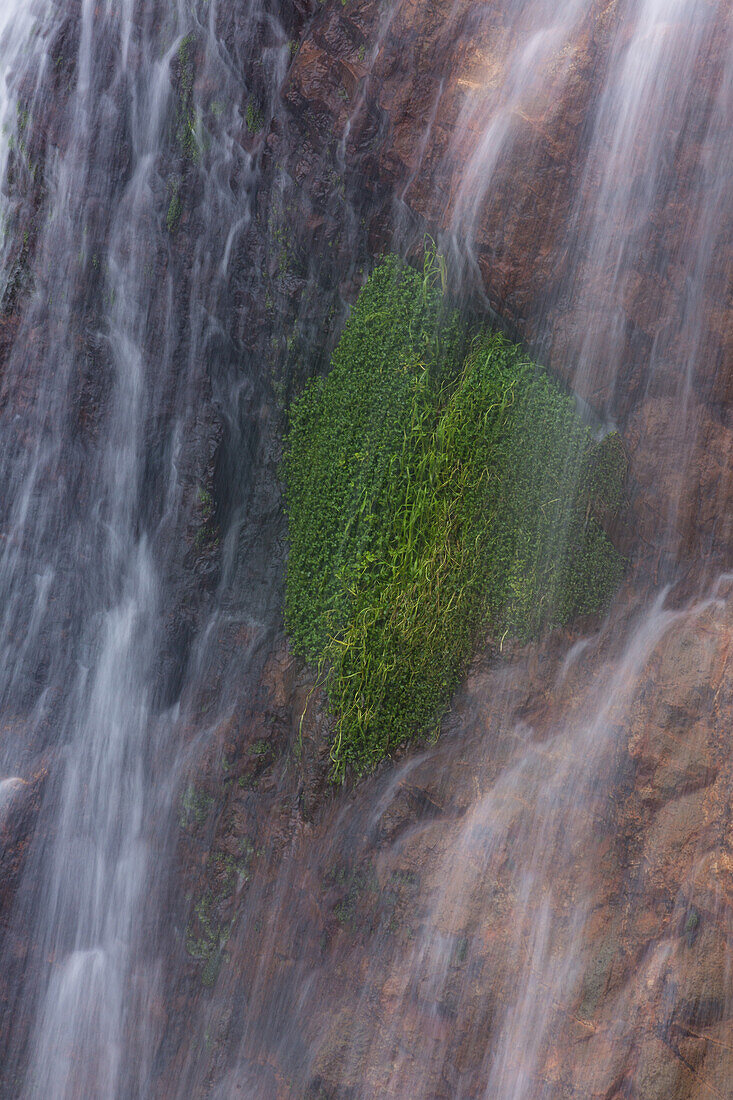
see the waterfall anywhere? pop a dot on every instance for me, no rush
(171, 263)
(104, 388)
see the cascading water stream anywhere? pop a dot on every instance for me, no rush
(87, 898)
(102, 388)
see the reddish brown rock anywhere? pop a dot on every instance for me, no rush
(566, 865)
(419, 102)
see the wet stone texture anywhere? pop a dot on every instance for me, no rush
(544, 896)
(541, 874)
(406, 104)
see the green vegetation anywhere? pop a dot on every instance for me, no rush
(254, 117)
(207, 533)
(195, 807)
(279, 227)
(207, 943)
(187, 114)
(175, 207)
(19, 141)
(360, 895)
(438, 483)
(259, 748)
(207, 932)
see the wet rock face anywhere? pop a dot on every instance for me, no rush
(696, 492)
(442, 117)
(543, 896)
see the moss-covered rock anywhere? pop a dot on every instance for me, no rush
(437, 483)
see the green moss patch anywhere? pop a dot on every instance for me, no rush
(438, 483)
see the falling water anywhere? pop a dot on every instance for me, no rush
(104, 390)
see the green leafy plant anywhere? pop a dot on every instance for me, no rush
(206, 938)
(195, 807)
(438, 483)
(175, 207)
(187, 114)
(253, 117)
(207, 533)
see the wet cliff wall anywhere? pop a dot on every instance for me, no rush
(538, 906)
(415, 937)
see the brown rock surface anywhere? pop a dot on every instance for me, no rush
(548, 893)
(423, 102)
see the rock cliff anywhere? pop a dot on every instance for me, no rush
(544, 896)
